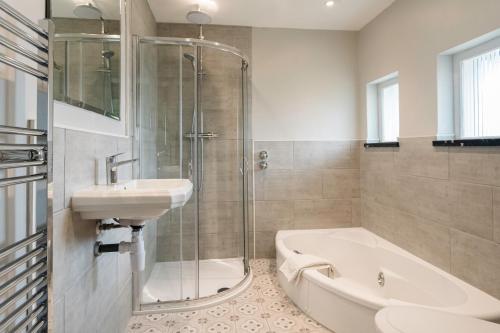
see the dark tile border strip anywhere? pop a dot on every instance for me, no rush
(381, 144)
(494, 142)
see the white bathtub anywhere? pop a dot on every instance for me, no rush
(348, 302)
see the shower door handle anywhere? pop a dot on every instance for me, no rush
(207, 135)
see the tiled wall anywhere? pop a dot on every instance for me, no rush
(442, 204)
(308, 185)
(90, 294)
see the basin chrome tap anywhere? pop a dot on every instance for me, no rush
(112, 167)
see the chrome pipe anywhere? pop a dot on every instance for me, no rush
(193, 42)
(22, 19)
(20, 164)
(21, 327)
(21, 131)
(22, 179)
(20, 244)
(21, 260)
(23, 67)
(21, 310)
(23, 35)
(39, 282)
(82, 37)
(23, 51)
(10, 147)
(38, 327)
(22, 276)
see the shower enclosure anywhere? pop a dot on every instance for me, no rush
(192, 122)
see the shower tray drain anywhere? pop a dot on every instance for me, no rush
(222, 289)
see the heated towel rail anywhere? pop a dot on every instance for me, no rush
(26, 169)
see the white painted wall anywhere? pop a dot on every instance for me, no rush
(304, 85)
(407, 37)
(33, 9)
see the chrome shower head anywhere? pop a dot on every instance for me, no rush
(198, 17)
(88, 11)
(108, 54)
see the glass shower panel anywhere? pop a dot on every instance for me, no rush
(221, 233)
(166, 109)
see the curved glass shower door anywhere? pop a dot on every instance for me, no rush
(191, 99)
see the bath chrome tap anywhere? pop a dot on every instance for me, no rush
(112, 167)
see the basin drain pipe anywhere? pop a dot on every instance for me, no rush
(135, 248)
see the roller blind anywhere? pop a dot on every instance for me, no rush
(480, 95)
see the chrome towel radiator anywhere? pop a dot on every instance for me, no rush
(25, 172)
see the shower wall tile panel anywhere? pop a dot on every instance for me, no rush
(307, 185)
(442, 204)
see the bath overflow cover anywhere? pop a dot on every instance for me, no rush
(381, 279)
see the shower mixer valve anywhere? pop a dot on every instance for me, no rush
(263, 163)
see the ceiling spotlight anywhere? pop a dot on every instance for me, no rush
(330, 3)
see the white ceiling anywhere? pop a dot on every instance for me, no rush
(300, 14)
(64, 8)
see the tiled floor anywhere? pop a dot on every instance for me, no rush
(262, 308)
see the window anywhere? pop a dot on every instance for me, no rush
(388, 110)
(477, 93)
(382, 111)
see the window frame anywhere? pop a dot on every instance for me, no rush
(380, 102)
(458, 58)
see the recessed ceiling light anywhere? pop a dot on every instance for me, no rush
(330, 3)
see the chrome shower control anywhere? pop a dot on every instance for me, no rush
(381, 279)
(263, 155)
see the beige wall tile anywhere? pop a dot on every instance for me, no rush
(341, 183)
(476, 261)
(356, 212)
(273, 215)
(273, 185)
(306, 184)
(73, 241)
(314, 214)
(323, 155)
(219, 217)
(471, 208)
(423, 197)
(91, 295)
(280, 154)
(59, 137)
(475, 165)
(221, 245)
(379, 187)
(377, 218)
(418, 157)
(380, 160)
(264, 245)
(426, 239)
(496, 213)
(79, 162)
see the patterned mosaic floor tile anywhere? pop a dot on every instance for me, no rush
(262, 308)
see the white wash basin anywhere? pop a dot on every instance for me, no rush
(133, 202)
